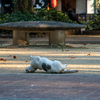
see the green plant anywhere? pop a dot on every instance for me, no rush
(96, 4)
(51, 15)
(94, 24)
(39, 15)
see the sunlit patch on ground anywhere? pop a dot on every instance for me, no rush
(85, 60)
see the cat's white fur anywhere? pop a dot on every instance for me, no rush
(47, 65)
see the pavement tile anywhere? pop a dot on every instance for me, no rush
(66, 87)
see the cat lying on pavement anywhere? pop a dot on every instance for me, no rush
(47, 65)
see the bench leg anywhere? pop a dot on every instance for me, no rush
(20, 38)
(57, 37)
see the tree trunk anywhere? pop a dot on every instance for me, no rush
(30, 6)
(24, 5)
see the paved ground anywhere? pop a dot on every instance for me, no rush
(16, 84)
(49, 87)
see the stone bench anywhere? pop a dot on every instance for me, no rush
(57, 30)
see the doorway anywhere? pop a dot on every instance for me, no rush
(68, 4)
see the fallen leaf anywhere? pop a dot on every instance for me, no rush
(87, 44)
(4, 60)
(67, 50)
(1, 59)
(27, 49)
(81, 47)
(14, 57)
(9, 56)
(26, 61)
(89, 54)
(72, 57)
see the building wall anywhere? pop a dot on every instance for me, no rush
(69, 4)
(90, 8)
(80, 6)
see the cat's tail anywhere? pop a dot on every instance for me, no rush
(70, 71)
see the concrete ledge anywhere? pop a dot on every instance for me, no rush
(56, 29)
(40, 25)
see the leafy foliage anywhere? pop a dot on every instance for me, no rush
(96, 4)
(39, 15)
(94, 24)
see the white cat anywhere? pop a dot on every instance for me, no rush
(47, 65)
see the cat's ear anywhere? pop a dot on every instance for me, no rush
(31, 56)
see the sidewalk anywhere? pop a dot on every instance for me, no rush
(16, 84)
